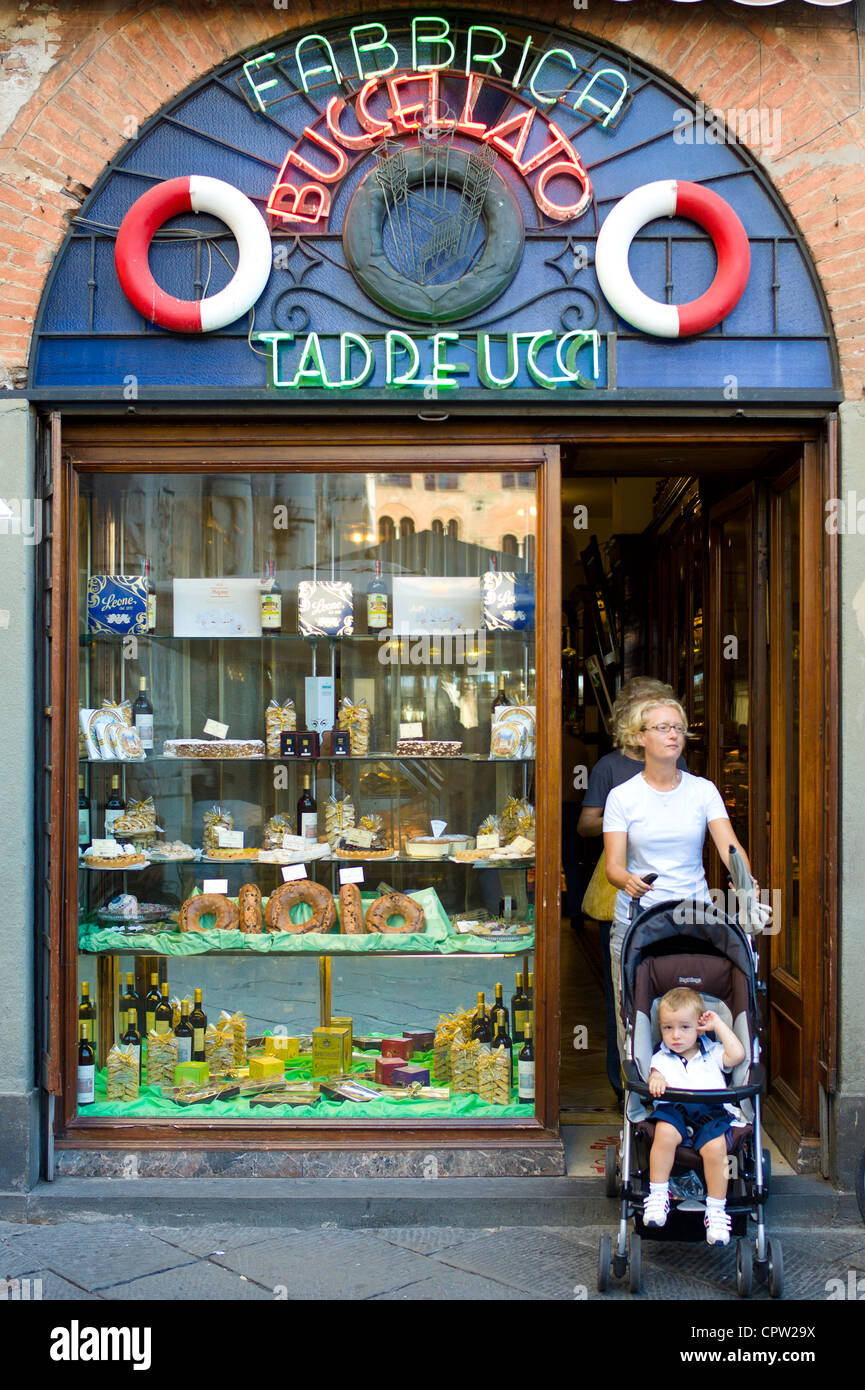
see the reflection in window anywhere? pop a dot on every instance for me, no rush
(453, 529)
(406, 527)
(509, 545)
(386, 528)
(438, 527)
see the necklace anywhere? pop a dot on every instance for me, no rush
(663, 789)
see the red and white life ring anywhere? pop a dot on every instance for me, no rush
(673, 198)
(194, 193)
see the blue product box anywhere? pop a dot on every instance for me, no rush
(117, 604)
(509, 601)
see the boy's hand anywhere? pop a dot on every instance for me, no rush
(657, 1084)
(708, 1022)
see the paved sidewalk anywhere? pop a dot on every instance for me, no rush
(123, 1260)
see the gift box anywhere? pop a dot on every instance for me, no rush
(385, 1067)
(397, 1047)
(346, 1023)
(117, 604)
(325, 608)
(409, 1074)
(329, 1047)
(191, 1074)
(423, 1038)
(262, 1067)
(281, 1047)
(367, 1044)
(509, 601)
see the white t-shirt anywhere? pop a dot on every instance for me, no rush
(666, 831)
(704, 1072)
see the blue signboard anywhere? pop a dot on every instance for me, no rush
(435, 207)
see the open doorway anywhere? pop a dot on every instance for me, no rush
(700, 564)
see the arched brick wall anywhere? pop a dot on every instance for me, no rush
(79, 82)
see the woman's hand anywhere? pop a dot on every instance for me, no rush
(635, 887)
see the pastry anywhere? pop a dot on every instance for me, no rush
(437, 846)
(219, 853)
(395, 905)
(222, 908)
(277, 914)
(249, 907)
(213, 748)
(357, 718)
(350, 910)
(428, 748)
(118, 857)
(171, 849)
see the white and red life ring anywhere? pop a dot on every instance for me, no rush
(195, 193)
(673, 198)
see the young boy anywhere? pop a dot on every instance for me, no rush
(686, 1062)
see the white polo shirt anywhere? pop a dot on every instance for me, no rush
(704, 1071)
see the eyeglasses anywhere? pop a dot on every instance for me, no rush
(664, 729)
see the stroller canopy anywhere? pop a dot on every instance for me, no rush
(685, 927)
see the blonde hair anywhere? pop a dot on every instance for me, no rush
(682, 998)
(638, 688)
(634, 720)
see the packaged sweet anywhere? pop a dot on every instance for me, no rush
(494, 1076)
(237, 1024)
(215, 819)
(219, 1047)
(339, 816)
(356, 717)
(161, 1058)
(121, 1082)
(517, 812)
(513, 731)
(276, 829)
(464, 1065)
(278, 719)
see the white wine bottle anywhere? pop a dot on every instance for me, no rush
(86, 1068)
(198, 1023)
(526, 1070)
(183, 1034)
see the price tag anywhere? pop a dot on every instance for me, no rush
(217, 730)
(215, 885)
(103, 848)
(229, 839)
(488, 841)
(438, 827)
(360, 839)
(292, 872)
(350, 876)
(411, 730)
(294, 842)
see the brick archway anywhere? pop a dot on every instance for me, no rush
(83, 83)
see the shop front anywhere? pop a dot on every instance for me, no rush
(376, 352)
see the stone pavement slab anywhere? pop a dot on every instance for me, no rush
(546, 1263)
(93, 1254)
(47, 1287)
(190, 1283)
(327, 1264)
(425, 1239)
(217, 1237)
(455, 1286)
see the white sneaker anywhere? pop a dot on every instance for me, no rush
(717, 1226)
(656, 1207)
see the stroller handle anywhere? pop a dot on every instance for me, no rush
(635, 902)
(755, 1084)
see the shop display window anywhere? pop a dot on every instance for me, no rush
(325, 724)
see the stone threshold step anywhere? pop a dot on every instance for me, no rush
(363, 1202)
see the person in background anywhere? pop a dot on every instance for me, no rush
(625, 761)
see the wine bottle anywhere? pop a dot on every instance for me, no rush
(499, 1007)
(501, 1036)
(198, 1023)
(500, 698)
(84, 836)
(151, 597)
(114, 807)
(526, 1069)
(87, 1012)
(151, 1003)
(129, 999)
(86, 1068)
(163, 1017)
(183, 1034)
(481, 1031)
(271, 602)
(142, 716)
(131, 1038)
(377, 602)
(530, 995)
(307, 812)
(519, 1010)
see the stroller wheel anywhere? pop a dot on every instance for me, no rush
(636, 1276)
(744, 1268)
(604, 1250)
(611, 1176)
(776, 1269)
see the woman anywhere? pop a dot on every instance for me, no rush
(657, 822)
(625, 762)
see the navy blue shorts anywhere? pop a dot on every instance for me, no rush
(697, 1124)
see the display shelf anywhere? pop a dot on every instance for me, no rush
(322, 758)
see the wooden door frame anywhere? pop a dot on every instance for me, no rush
(113, 449)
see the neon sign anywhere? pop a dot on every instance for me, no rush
(348, 361)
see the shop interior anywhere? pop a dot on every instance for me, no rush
(659, 578)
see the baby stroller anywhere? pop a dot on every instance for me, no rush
(691, 944)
